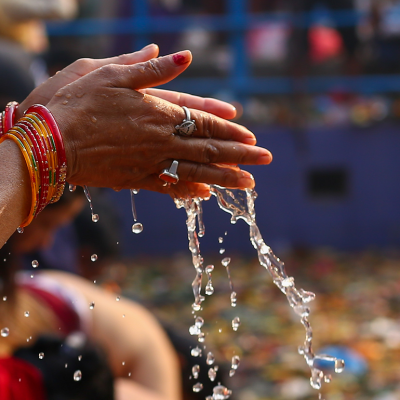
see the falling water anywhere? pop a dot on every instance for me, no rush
(95, 217)
(240, 204)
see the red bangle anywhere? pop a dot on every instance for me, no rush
(44, 114)
(9, 116)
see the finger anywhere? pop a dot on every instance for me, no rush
(222, 175)
(213, 106)
(154, 72)
(145, 54)
(211, 126)
(220, 152)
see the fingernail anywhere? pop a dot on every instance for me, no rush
(246, 181)
(148, 46)
(265, 158)
(181, 58)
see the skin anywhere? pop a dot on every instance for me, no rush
(121, 134)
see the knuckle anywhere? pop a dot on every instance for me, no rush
(107, 71)
(83, 63)
(208, 125)
(210, 153)
(154, 66)
(195, 172)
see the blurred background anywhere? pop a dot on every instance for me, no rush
(319, 83)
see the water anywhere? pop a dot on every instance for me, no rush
(26, 313)
(212, 374)
(35, 263)
(197, 387)
(41, 356)
(95, 217)
(196, 352)
(77, 375)
(5, 332)
(91, 305)
(240, 204)
(210, 358)
(71, 188)
(94, 257)
(137, 228)
(195, 371)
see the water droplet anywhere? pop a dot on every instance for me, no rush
(4, 298)
(137, 228)
(221, 393)
(32, 276)
(26, 313)
(212, 374)
(197, 387)
(94, 257)
(220, 330)
(91, 305)
(94, 281)
(201, 337)
(235, 362)
(95, 217)
(58, 94)
(196, 352)
(65, 365)
(221, 251)
(72, 188)
(220, 239)
(226, 232)
(209, 288)
(93, 119)
(123, 315)
(130, 374)
(231, 373)
(41, 356)
(199, 322)
(216, 368)
(68, 95)
(35, 263)
(194, 330)
(77, 375)
(225, 262)
(20, 230)
(65, 102)
(339, 366)
(210, 358)
(123, 362)
(235, 323)
(195, 371)
(5, 332)
(118, 298)
(209, 269)
(327, 378)
(233, 299)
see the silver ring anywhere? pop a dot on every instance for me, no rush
(188, 126)
(169, 175)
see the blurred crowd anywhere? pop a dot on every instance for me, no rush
(290, 39)
(355, 316)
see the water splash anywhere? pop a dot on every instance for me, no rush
(77, 375)
(240, 204)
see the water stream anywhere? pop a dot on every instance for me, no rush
(240, 204)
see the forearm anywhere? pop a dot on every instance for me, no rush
(14, 189)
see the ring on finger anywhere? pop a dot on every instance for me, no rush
(188, 126)
(170, 175)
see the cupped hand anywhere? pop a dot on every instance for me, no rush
(116, 136)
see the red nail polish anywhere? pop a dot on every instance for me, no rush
(179, 59)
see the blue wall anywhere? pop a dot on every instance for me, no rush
(287, 215)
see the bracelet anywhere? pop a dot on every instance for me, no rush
(40, 141)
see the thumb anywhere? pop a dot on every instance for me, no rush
(154, 72)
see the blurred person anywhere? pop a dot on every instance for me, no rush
(21, 21)
(301, 35)
(140, 356)
(99, 95)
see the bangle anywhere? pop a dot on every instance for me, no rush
(9, 116)
(48, 120)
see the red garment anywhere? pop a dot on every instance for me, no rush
(20, 380)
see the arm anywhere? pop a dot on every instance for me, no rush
(15, 185)
(136, 339)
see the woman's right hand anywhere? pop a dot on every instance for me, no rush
(116, 136)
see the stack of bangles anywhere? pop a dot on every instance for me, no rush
(40, 141)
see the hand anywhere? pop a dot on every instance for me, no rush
(43, 93)
(118, 137)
